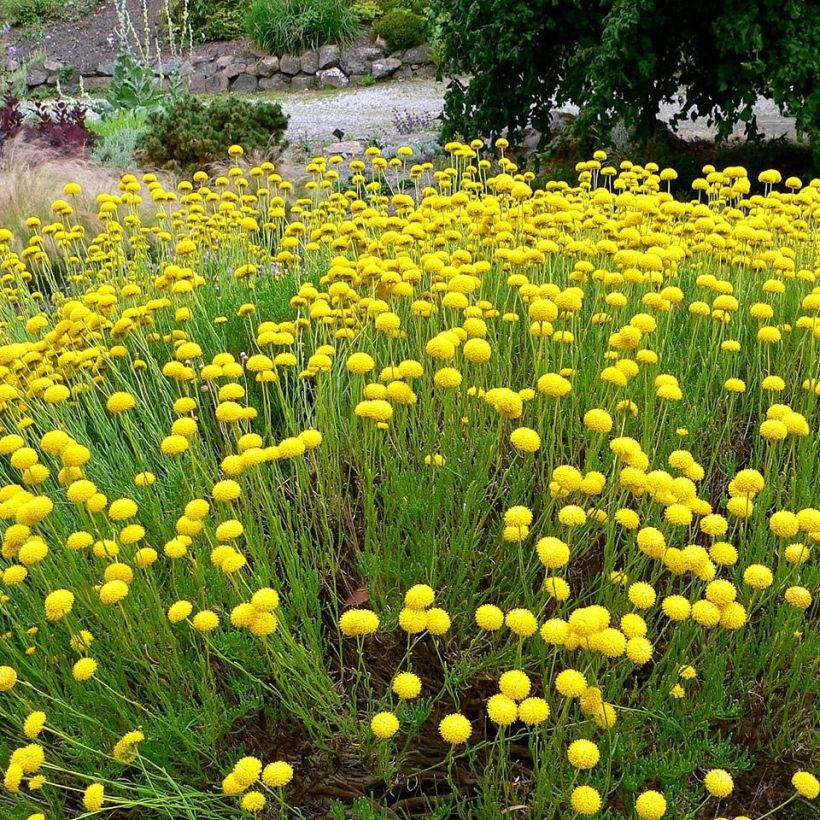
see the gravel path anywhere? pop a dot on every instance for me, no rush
(364, 112)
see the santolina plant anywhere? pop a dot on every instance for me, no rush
(424, 503)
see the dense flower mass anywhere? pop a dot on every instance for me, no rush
(410, 482)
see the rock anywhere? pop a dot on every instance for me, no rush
(36, 76)
(206, 69)
(106, 69)
(250, 52)
(357, 79)
(333, 78)
(419, 54)
(351, 148)
(217, 82)
(53, 65)
(275, 83)
(405, 72)
(532, 138)
(385, 68)
(290, 65)
(267, 66)
(302, 82)
(197, 83)
(353, 61)
(94, 83)
(370, 52)
(224, 61)
(427, 72)
(234, 70)
(245, 82)
(560, 121)
(186, 68)
(310, 62)
(329, 57)
(381, 43)
(168, 68)
(197, 59)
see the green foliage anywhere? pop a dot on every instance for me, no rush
(31, 12)
(402, 29)
(285, 26)
(119, 134)
(620, 59)
(190, 133)
(368, 10)
(134, 85)
(212, 19)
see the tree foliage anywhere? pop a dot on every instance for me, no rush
(619, 60)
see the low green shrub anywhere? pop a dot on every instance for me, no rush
(189, 134)
(31, 12)
(402, 29)
(118, 135)
(287, 26)
(212, 19)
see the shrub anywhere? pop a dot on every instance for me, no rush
(118, 135)
(57, 125)
(30, 12)
(190, 133)
(38, 12)
(402, 29)
(285, 26)
(620, 59)
(212, 19)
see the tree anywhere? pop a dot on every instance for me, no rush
(618, 60)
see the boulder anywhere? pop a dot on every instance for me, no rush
(418, 55)
(353, 61)
(36, 76)
(94, 83)
(197, 83)
(301, 82)
(427, 72)
(290, 65)
(310, 62)
(216, 83)
(186, 68)
(106, 69)
(350, 148)
(168, 68)
(267, 66)
(275, 83)
(385, 68)
(224, 61)
(206, 69)
(245, 82)
(234, 70)
(53, 65)
(333, 78)
(329, 57)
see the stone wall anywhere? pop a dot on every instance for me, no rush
(240, 66)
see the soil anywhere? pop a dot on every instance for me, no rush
(92, 38)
